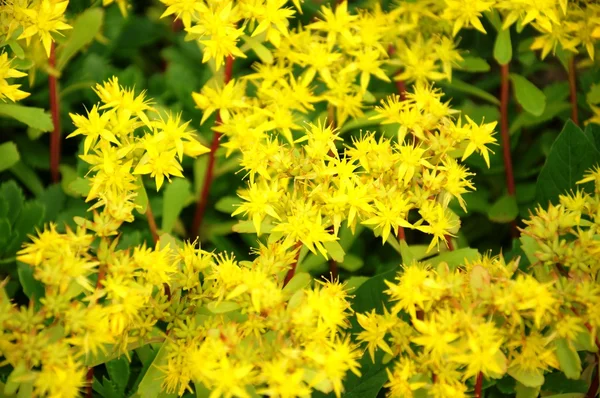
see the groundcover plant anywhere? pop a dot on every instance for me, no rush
(220, 198)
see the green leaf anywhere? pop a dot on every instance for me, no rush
(527, 378)
(228, 204)
(370, 294)
(573, 152)
(118, 370)
(503, 47)
(504, 210)
(150, 386)
(9, 155)
(531, 98)
(11, 200)
(175, 198)
(222, 307)
(31, 216)
(454, 258)
(352, 263)
(568, 359)
(474, 64)
(85, 28)
(261, 51)
(142, 196)
(593, 96)
(527, 392)
(335, 250)
(33, 117)
(28, 177)
(32, 288)
(558, 383)
(5, 232)
(79, 187)
(470, 89)
(368, 386)
(299, 281)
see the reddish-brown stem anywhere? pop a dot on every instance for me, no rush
(479, 385)
(449, 243)
(401, 234)
(292, 271)
(55, 111)
(573, 90)
(504, 130)
(204, 193)
(401, 87)
(593, 390)
(152, 223)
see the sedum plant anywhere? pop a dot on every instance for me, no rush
(335, 118)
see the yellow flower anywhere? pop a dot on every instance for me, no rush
(46, 18)
(7, 90)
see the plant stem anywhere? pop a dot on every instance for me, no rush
(449, 243)
(593, 390)
(292, 271)
(573, 90)
(55, 111)
(203, 200)
(479, 385)
(152, 223)
(508, 166)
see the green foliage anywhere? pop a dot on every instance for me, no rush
(573, 152)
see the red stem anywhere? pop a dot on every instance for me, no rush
(593, 390)
(479, 385)
(55, 111)
(152, 223)
(573, 90)
(202, 202)
(292, 271)
(508, 166)
(449, 243)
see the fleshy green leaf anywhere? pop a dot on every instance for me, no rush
(85, 28)
(569, 360)
(222, 307)
(32, 288)
(504, 210)
(118, 370)
(470, 89)
(175, 199)
(33, 117)
(150, 386)
(142, 196)
(474, 64)
(573, 152)
(335, 250)
(28, 177)
(503, 47)
(524, 391)
(9, 155)
(531, 98)
(299, 281)
(527, 378)
(454, 258)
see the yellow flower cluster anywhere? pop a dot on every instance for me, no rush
(447, 327)
(8, 90)
(302, 185)
(232, 328)
(239, 332)
(34, 19)
(124, 137)
(300, 189)
(565, 235)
